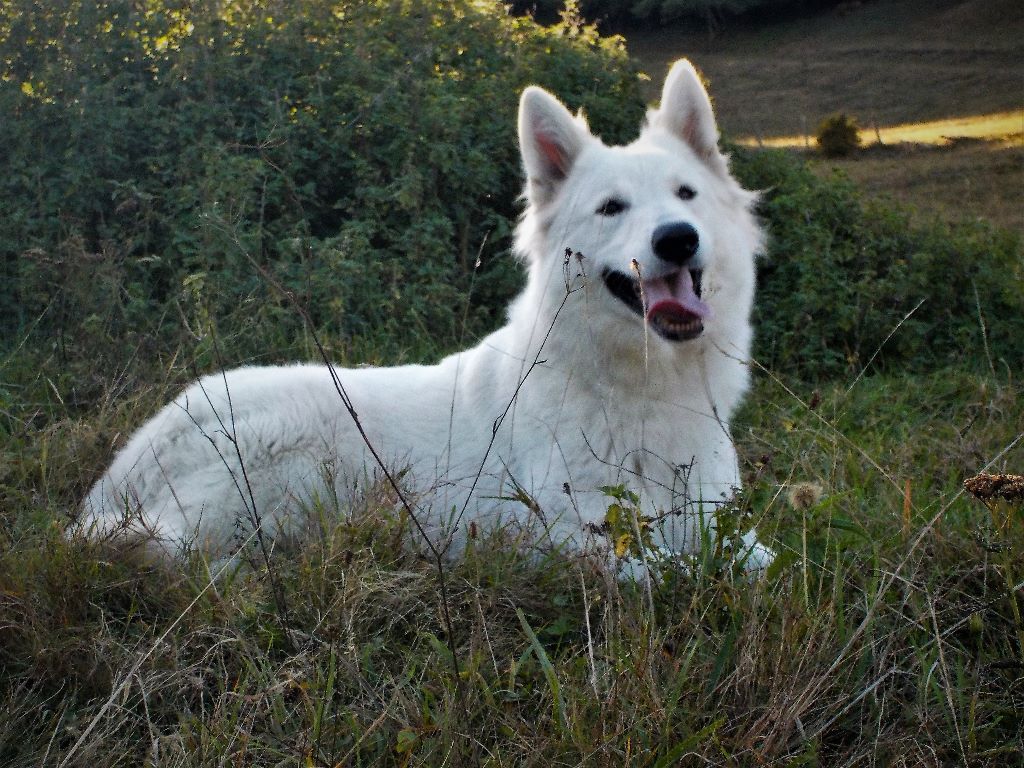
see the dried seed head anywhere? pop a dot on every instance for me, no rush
(803, 496)
(987, 487)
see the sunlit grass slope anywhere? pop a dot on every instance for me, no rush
(1005, 126)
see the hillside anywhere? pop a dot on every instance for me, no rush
(887, 61)
(892, 64)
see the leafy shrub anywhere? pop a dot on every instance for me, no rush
(838, 135)
(366, 156)
(841, 274)
(365, 159)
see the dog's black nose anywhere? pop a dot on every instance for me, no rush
(675, 243)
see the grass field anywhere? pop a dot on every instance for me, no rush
(1002, 128)
(887, 633)
(958, 168)
(896, 66)
(889, 62)
(968, 179)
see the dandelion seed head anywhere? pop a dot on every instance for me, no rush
(803, 496)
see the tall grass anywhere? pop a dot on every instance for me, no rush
(885, 634)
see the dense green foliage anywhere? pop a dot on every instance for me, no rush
(841, 273)
(367, 155)
(365, 159)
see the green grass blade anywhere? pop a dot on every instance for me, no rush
(558, 703)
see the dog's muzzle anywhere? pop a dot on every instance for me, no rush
(670, 304)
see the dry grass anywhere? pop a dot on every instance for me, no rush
(967, 180)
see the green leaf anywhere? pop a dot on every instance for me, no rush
(406, 741)
(783, 560)
(672, 757)
(558, 705)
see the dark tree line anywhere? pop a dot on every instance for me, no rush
(712, 14)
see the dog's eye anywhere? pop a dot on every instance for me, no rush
(611, 207)
(686, 192)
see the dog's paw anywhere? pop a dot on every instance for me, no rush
(755, 556)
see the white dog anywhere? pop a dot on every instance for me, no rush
(621, 364)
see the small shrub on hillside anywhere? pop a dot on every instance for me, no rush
(838, 135)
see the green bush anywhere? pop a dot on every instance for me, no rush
(841, 273)
(367, 156)
(838, 135)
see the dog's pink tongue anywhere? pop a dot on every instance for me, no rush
(680, 299)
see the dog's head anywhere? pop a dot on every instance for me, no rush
(666, 234)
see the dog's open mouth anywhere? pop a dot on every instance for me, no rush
(671, 303)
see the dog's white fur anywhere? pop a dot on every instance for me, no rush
(592, 396)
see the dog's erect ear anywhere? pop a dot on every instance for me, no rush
(686, 113)
(550, 140)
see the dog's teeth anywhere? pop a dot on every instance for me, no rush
(666, 325)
